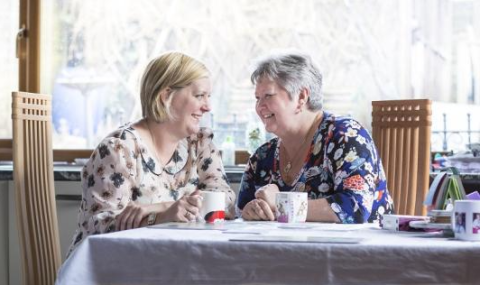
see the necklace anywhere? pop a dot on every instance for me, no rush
(286, 169)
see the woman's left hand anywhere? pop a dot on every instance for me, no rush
(268, 194)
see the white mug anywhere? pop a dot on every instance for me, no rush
(291, 207)
(466, 220)
(213, 207)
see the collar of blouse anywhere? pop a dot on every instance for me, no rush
(176, 163)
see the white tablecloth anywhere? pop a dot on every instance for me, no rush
(180, 256)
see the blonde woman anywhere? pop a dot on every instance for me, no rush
(152, 171)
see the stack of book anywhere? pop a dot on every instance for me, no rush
(444, 190)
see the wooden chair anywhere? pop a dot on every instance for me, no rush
(401, 130)
(34, 189)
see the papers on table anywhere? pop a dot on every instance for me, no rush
(301, 239)
(240, 230)
(266, 228)
(191, 226)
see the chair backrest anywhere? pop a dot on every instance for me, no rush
(34, 189)
(401, 131)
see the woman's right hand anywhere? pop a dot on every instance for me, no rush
(257, 210)
(185, 209)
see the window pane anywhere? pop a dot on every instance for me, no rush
(9, 12)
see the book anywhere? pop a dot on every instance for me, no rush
(445, 188)
(461, 189)
(440, 196)
(433, 191)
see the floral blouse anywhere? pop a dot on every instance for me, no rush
(123, 169)
(343, 166)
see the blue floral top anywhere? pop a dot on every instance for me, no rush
(343, 166)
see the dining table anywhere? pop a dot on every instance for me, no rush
(239, 252)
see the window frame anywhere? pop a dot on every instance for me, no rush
(28, 46)
(29, 60)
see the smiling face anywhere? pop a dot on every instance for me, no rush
(189, 104)
(274, 106)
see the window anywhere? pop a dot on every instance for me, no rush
(93, 54)
(9, 11)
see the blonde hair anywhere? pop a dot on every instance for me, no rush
(172, 70)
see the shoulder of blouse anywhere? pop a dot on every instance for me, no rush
(204, 134)
(341, 124)
(108, 150)
(264, 155)
(268, 145)
(201, 140)
(124, 136)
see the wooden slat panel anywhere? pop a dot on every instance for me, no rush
(401, 131)
(29, 117)
(400, 177)
(20, 194)
(403, 124)
(392, 152)
(30, 106)
(407, 180)
(49, 198)
(41, 226)
(423, 168)
(30, 218)
(33, 174)
(43, 168)
(413, 169)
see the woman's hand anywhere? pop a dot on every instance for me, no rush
(257, 210)
(186, 209)
(131, 217)
(268, 194)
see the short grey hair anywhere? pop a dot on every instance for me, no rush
(293, 71)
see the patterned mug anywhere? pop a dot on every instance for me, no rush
(291, 207)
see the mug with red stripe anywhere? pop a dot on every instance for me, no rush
(213, 206)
